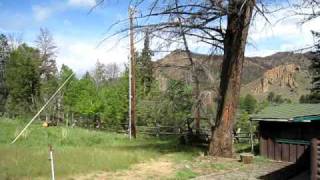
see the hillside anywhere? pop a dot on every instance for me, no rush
(284, 73)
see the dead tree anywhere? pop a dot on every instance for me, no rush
(196, 90)
(223, 26)
(301, 6)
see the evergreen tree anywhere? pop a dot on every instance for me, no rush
(249, 104)
(315, 69)
(114, 97)
(23, 79)
(69, 91)
(88, 101)
(144, 65)
(175, 104)
(4, 55)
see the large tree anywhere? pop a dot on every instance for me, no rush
(205, 20)
(314, 13)
(238, 22)
(23, 80)
(220, 25)
(48, 70)
(315, 65)
(144, 66)
(47, 48)
(4, 56)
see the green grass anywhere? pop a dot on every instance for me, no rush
(76, 151)
(185, 173)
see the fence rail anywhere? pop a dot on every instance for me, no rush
(163, 130)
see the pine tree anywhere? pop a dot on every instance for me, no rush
(23, 80)
(249, 104)
(4, 55)
(145, 66)
(315, 66)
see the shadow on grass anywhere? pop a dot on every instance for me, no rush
(163, 148)
(246, 147)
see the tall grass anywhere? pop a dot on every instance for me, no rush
(75, 150)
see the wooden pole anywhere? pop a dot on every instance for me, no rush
(133, 76)
(129, 112)
(251, 137)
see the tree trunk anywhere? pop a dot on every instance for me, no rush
(239, 17)
(197, 102)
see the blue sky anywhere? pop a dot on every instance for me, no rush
(78, 33)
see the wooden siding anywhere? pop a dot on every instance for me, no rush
(289, 151)
(315, 159)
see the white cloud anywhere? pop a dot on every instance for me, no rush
(66, 22)
(81, 55)
(41, 13)
(288, 34)
(82, 3)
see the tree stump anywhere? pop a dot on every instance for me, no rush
(246, 158)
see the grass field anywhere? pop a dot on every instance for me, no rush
(76, 151)
(88, 154)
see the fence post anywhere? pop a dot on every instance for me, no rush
(157, 129)
(51, 162)
(251, 136)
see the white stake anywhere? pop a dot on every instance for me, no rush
(43, 107)
(51, 162)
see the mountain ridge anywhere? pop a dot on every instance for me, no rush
(288, 68)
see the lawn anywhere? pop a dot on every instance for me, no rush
(87, 154)
(77, 151)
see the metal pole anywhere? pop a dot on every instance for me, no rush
(43, 107)
(51, 162)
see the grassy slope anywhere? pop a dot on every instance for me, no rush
(75, 151)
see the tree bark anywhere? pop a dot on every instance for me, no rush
(238, 21)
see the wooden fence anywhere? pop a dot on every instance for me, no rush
(162, 130)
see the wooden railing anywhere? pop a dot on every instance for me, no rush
(157, 130)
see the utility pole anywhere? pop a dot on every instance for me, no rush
(132, 105)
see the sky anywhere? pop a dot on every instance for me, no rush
(78, 33)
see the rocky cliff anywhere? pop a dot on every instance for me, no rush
(282, 76)
(283, 73)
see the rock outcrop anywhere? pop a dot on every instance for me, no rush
(284, 73)
(281, 76)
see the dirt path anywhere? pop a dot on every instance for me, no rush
(206, 168)
(250, 172)
(154, 169)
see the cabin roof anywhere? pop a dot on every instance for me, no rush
(289, 113)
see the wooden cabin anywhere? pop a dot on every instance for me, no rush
(291, 132)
